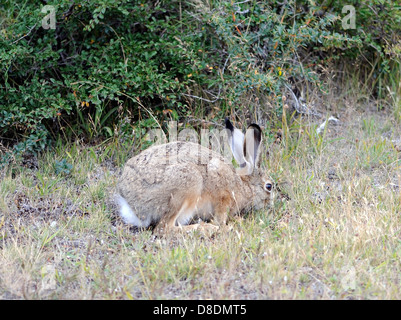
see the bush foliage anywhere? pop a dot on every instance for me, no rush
(112, 59)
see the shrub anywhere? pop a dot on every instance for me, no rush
(110, 59)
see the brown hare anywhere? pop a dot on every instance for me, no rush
(170, 185)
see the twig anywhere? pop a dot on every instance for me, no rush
(242, 12)
(25, 35)
(203, 99)
(218, 94)
(301, 108)
(225, 63)
(237, 3)
(323, 125)
(121, 44)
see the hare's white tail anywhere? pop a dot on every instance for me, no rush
(127, 214)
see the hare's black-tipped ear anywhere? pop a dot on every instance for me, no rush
(236, 142)
(229, 125)
(253, 139)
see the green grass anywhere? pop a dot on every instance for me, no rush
(336, 237)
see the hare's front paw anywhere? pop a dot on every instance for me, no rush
(203, 228)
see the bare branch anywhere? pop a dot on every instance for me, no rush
(25, 35)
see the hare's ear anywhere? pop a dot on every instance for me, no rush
(236, 141)
(252, 141)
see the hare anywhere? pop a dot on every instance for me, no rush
(168, 186)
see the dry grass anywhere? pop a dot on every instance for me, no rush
(337, 237)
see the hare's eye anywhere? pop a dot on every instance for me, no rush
(268, 186)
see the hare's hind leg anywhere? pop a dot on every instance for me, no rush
(186, 214)
(177, 216)
(178, 219)
(222, 210)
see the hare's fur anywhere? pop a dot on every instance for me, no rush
(171, 184)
